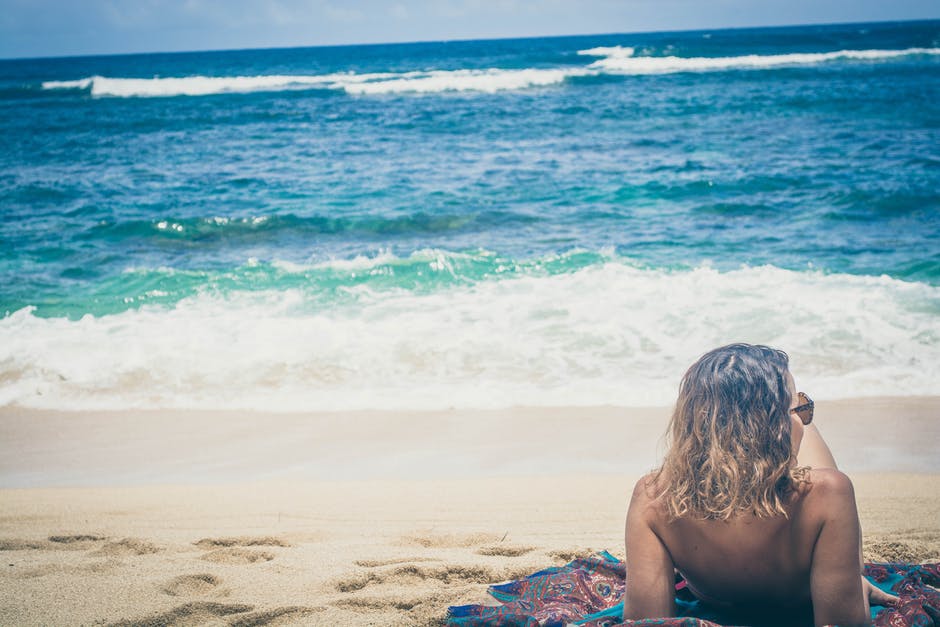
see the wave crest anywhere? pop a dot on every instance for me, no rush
(488, 80)
(608, 51)
(627, 64)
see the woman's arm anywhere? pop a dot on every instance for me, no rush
(835, 577)
(814, 452)
(650, 591)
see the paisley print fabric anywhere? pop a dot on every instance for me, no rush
(588, 592)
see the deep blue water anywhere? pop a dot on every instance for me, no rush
(163, 208)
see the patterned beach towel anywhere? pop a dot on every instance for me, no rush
(588, 591)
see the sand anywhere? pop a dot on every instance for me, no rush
(364, 518)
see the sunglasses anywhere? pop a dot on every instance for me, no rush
(805, 409)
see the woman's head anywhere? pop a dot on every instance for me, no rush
(732, 441)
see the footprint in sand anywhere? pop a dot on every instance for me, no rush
(505, 550)
(491, 543)
(232, 550)
(194, 613)
(351, 583)
(237, 555)
(191, 585)
(381, 603)
(214, 543)
(16, 544)
(292, 615)
(451, 540)
(446, 574)
(126, 547)
(206, 612)
(83, 537)
(567, 555)
(67, 542)
(389, 562)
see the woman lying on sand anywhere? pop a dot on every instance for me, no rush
(748, 505)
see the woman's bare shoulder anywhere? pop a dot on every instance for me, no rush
(647, 497)
(829, 482)
(828, 492)
(645, 488)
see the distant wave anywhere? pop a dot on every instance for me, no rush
(202, 85)
(618, 60)
(602, 332)
(608, 51)
(488, 80)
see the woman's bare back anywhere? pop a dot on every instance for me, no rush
(747, 562)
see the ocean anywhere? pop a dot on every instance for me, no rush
(555, 221)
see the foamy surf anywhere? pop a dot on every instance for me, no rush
(609, 333)
(620, 60)
(204, 85)
(488, 80)
(608, 51)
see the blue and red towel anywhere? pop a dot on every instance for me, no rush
(588, 591)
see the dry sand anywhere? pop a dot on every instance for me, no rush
(364, 518)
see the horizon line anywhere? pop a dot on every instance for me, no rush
(457, 40)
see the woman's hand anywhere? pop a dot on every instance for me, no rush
(877, 596)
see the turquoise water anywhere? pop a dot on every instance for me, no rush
(561, 220)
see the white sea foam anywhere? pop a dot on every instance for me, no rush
(487, 80)
(82, 83)
(615, 60)
(619, 63)
(189, 85)
(607, 334)
(608, 51)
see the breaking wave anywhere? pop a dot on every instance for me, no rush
(489, 80)
(606, 333)
(621, 60)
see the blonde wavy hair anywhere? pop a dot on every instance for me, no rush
(729, 437)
